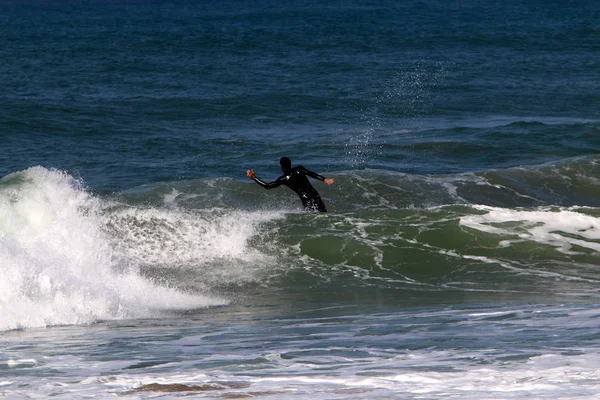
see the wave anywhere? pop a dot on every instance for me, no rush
(71, 257)
(493, 231)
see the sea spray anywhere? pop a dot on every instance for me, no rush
(410, 94)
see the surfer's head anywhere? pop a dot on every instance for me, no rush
(285, 163)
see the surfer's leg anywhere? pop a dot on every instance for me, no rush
(314, 204)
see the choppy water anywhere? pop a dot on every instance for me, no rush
(459, 258)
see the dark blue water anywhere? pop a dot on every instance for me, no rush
(460, 254)
(123, 94)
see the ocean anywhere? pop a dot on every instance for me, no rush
(460, 257)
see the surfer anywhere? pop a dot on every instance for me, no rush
(295, 178)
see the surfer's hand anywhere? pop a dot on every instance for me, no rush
(250, 174)
(329, 181)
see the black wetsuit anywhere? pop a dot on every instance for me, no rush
(295, 178)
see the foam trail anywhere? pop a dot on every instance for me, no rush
(58, 265)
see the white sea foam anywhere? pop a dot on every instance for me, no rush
(59, 265)
(565, 229)
(24, 363)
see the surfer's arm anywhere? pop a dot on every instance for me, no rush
(314, 175)
(266, 185)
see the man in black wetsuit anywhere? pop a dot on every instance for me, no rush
(295, 178)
